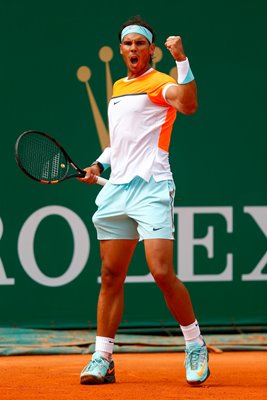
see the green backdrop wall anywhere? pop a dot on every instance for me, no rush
(49, 255)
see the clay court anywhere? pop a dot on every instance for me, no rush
(234, 375)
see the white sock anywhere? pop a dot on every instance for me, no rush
(192, 333)
(104, 346)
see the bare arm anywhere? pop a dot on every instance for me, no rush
(182, 97)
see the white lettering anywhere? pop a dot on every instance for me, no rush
(140, 278)
(80, 252)
(186, 243)
(136, 278)
(3, 278)
(260, 216)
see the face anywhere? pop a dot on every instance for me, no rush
(136, 52)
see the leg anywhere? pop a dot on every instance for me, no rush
(159, 256)
(116, 256)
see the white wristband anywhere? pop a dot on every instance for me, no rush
(184, 72)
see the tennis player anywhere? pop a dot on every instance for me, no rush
(137, 202)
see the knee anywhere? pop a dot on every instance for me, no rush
(163, 277)
(111, 279)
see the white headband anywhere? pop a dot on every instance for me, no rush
(137, 29)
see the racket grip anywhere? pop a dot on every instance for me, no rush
(101, 181)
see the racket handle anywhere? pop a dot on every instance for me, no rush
(101, 181)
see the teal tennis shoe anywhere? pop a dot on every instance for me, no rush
(98, 371)
(196, 363)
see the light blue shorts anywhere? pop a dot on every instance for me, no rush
(136, 210)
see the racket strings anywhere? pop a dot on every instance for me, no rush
(42, 158)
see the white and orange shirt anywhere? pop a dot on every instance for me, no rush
(140, 126)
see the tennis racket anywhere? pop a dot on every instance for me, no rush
(43, 159)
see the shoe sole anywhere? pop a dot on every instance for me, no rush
(93, 380)
(194, 383)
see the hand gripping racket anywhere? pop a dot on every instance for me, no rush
(43, 159)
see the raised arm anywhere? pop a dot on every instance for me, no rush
(182, 97)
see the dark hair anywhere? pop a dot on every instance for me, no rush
(137, 20)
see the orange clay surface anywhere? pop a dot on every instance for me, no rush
(234, 375)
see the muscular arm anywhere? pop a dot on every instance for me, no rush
(182, 97)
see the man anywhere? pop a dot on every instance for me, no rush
(137, 202)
